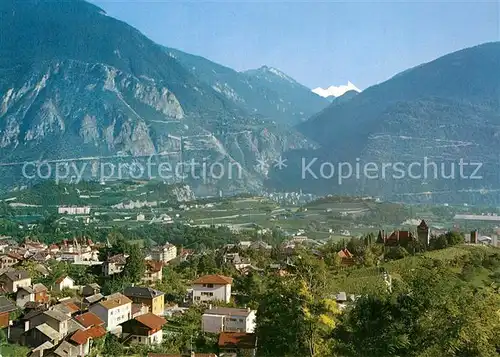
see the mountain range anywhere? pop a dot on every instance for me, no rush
(439, 112)
(77, 83)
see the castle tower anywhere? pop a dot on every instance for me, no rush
(423, 233)
(473, 236)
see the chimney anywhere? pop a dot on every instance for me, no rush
(193, 354)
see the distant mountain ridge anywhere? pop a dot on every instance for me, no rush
(445, 110)
(266, 90)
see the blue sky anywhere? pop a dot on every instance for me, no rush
(317, 43)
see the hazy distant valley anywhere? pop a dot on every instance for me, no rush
(109, 95)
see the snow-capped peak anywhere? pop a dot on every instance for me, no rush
(336, 91)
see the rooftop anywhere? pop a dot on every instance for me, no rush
(64, 349)
(93, 286)
(16, 275)
(237, 340)
(28, 289)
(89, 319)
(118, 259)
(63, 308)
(57, 315)
(96, 331)
(151, 321)
(38, 288)
(6, 305)
(214, 279)
(60, 280)
(80, 337)
(154, 266)
(142, 292)
(115, 300)
(48, 331)
(228, 311)
(94, 298)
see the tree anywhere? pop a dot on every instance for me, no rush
(431, 313)
(454, 238)
(172, 285)
(112, 346)
(356, 246)
(395, 253)
(369, 259)
(250, 289)
(292, 321)
(116, 283)
(80, 274)
(135, 267)
(30, 267)
(311, 270)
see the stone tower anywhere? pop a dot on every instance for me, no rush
(423, 233)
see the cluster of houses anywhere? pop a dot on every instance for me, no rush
(68, 327)
(82, 252)
(75, 252)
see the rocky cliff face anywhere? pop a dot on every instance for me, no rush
(101, 91)
(102, 107)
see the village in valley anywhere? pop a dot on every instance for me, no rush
(157, 274)
(78, 298)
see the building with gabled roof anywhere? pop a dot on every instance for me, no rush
(114, 264)
(6, 307)
(424, 233)
(91, 289)
(24, 295)
(346, 257)
(12, 280)
(145, 329)
(226, 319)
(96, 331)
(239, 343)
(92, 299)
(41, 293)
(9, 260)
(152, 298)
(154, 271)
(81, 340)
(212, 288)
(116, 309)
(64, 282)
(89, 319)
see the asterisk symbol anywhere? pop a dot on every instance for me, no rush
(280, 163)
(262, 164)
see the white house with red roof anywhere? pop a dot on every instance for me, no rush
(212, 288)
